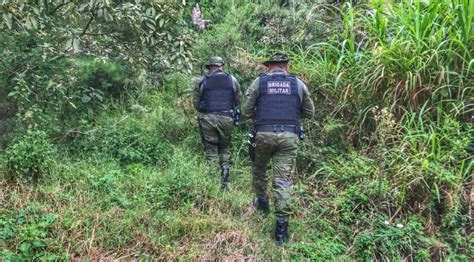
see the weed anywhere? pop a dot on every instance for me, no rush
(30, 156)
(32, 229)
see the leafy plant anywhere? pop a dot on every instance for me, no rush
(30, 156)
(31, 227)
(383, 174)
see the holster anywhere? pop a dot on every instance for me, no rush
(236, 116)
(301, 133)
(252, 144)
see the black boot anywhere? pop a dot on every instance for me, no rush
(225, 176)
(281, 231)
(261, 205)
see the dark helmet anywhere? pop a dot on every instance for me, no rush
(277, 58)
(215, 61)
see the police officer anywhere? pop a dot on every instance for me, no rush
(216, 96)
(276, 101)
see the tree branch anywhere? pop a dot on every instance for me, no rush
(56, 8)
(88, 24)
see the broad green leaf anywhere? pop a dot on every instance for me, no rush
(24, 247)
(83, 7)
(31, 23)
(36, 10)
(150, 25)
(8, 20)
(151, 11)
(86, 99)
(101, 98)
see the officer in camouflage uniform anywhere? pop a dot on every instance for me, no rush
(216, 96)
(275, 102)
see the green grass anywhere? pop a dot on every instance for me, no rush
(382, 175)
(95, 205)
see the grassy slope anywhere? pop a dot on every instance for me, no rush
(94, 207)
(106, 199)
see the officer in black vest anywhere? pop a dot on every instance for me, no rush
(276, 101)
(216, 96)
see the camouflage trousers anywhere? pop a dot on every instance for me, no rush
(216, 132)
(281, 148)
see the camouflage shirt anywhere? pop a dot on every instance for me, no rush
(197, 91)
(250, 100)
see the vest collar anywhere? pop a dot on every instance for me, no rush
(215, 71)
(278, 71)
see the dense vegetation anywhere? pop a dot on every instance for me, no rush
(101, 158)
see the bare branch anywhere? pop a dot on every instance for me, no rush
(56, 8)
(88, 24)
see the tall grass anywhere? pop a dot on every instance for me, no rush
(413, 60)
(381, 175)
(402, 55)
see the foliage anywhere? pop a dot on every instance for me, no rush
(101, 79)
(88, 27)
(30, 156)
(38, 37)
(128, 142)
(32, 227)
(383, 173)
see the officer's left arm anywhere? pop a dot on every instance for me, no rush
(248, 104)
(307, 105)
(237, 92)
(197, 93)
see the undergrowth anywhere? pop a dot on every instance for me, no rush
(383, 174)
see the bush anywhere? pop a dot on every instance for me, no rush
(130, 141)
(30, 156)
(99, 79)
(387, 241)
(32, 227)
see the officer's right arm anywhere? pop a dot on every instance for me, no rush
(249, 101)
(197, 93)
(307, 106)
(307, 110)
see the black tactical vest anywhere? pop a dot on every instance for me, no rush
(217, 93)
(278, 102)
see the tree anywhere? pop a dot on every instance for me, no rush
(39, 39)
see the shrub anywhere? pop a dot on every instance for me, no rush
(385, 241)
(99, 79)
(30, 156)
(185, 181)
(32, 228)
(130, 141)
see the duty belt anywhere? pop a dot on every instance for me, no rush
(277, 128)
(221, 113)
